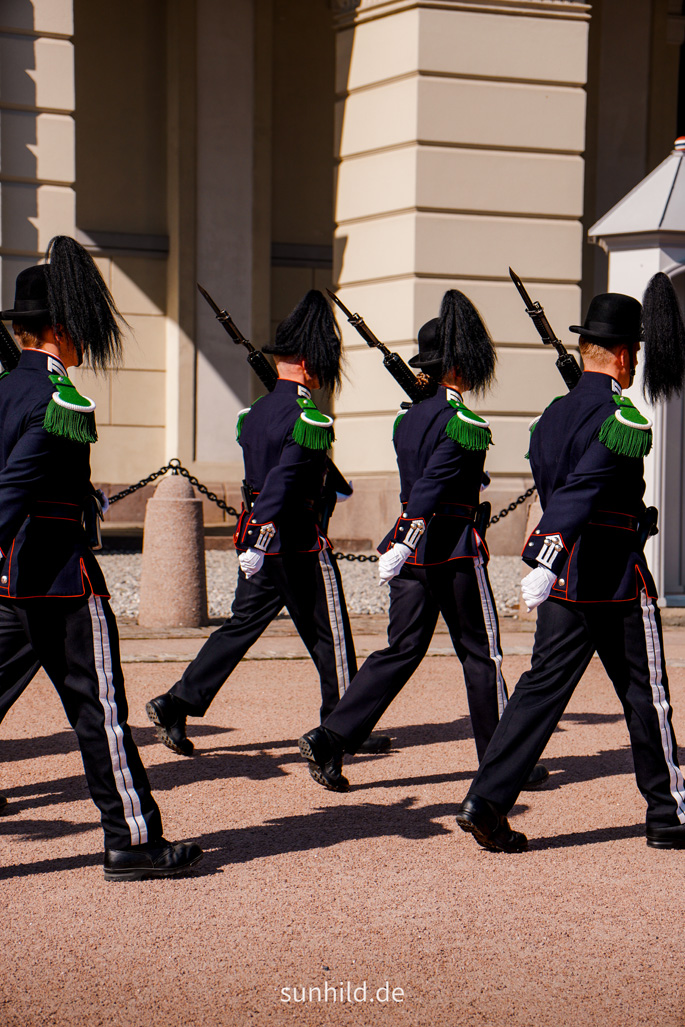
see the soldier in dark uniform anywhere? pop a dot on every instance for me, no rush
(435, 559)
(285, 557)
(590, 581)
(54, 604)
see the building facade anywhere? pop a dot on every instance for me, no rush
(390, 149)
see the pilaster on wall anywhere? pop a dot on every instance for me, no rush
(460, 129)
(37, 197)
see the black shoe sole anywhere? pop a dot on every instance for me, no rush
(316, 772)
(163, 735)
(466, 824)
(145, 873)
(656, 843)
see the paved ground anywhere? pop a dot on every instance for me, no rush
(302, 888)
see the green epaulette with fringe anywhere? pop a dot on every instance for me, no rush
(69, 414)
(627, 432)
(470, 430)
(397, 422)
(242, 414)
(3, 374)
(312, 429)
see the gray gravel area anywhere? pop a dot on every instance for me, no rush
(360, 580)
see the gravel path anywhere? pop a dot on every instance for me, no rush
(360, 580)
(303, 888)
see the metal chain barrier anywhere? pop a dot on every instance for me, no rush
(176, 467)
(505, 511)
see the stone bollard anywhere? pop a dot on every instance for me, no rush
(173, 584)
(534, 516)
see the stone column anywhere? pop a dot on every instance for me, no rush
(460, 129)
(37, 198)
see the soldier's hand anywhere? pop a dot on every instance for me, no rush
(251, 562)
(536, 586)
(390, 563)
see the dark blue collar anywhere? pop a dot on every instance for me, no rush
(288, 385)
(598, 381)
(39, 360)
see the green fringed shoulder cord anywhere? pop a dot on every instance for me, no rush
(312, 429)
(626, 432)
(69, 414)
(470, 430)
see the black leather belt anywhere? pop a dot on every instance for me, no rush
(614, 519)
(452, 510)
(54, 511)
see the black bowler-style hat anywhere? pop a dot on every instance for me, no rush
(612, 318)
(429, 353)
(30, 296)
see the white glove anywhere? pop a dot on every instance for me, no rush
(251, 562)
(536, 586)
(390, 563)
(342, 496)
(104, 500)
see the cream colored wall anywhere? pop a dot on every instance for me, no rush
(121, 215)
(37, 196)
(460, 133)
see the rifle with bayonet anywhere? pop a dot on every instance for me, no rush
(9, 351)
(255, 358)
(566, 362)
(417, 387)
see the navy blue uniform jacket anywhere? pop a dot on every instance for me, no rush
(288, 477)
(591, 498)
(440, 484)
(44, 480)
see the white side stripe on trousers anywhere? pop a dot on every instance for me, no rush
(337, 622)
(661, 704)
(115, 736)
(490, 618)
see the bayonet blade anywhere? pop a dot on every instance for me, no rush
(348, 314)
(217, 310)
(522, 290)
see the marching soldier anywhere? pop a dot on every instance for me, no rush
(285, 556)
(435, 557)
(54, 604)
(590, 581)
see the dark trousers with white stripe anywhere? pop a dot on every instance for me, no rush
(460, 590)
(627, 638)
(309, 586)
(77, 643)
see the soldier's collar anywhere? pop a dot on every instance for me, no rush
(300, 390)
(42, 361)
(452, 394)
(602, 380)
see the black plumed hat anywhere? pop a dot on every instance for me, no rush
(82, 304)
(69, 291)
(664, 340)
(310, 332)
(611, 318)
(457, 340)
(31, 302)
